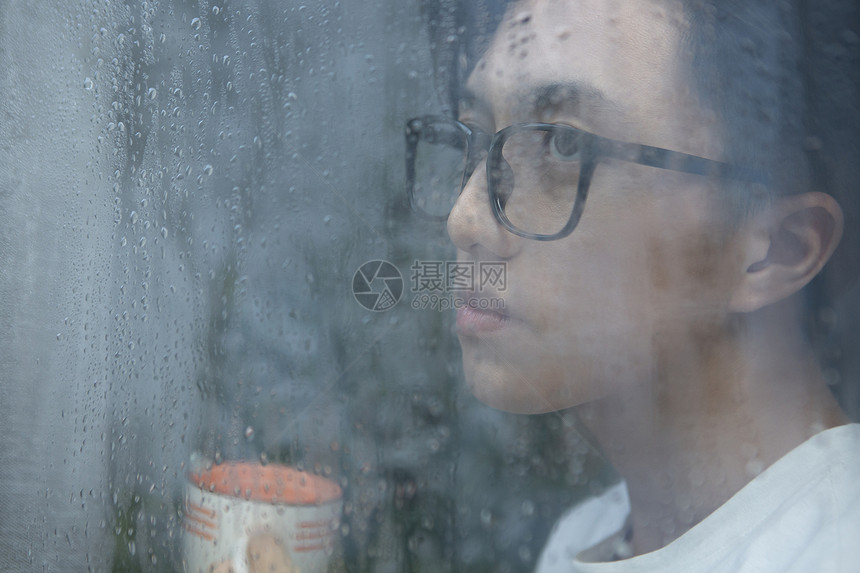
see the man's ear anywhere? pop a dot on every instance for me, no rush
(786, 246)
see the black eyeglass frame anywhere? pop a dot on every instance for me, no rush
(594, 147)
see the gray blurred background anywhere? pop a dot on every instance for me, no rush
(186, 190)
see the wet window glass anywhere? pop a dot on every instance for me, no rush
(429, 285)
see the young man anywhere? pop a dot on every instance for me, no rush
(668, 308)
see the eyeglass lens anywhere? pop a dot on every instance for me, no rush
(535, 180)
(440, 163)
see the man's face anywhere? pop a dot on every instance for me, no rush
(600, 310)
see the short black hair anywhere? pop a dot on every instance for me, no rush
(744, 59)
(760, 66)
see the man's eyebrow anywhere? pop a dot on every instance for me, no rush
(546, 99)
(562, 96)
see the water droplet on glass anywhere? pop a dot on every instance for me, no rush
(152, 93)
(249, 432)
(525, 553)
(162, 38)
(132, 548)
(88, 84)
(164, 232)
(528, 508)
(133, 217)
(195, 23)
(216, 10)
(208, 169)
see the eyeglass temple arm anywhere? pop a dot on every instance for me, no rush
(676, 161)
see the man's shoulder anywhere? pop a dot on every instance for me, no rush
(801, 514)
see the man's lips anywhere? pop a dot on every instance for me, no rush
(474, 321)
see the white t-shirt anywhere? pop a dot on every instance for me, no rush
(801, 515)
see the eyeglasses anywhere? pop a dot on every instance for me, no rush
(538, 174)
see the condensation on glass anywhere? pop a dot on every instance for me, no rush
(187, 191)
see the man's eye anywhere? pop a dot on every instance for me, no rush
(563, 144)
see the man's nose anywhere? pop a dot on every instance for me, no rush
(472, 225)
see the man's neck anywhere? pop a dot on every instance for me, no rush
(716, 413)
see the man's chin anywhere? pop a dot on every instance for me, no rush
(536, 389)
(514, 396)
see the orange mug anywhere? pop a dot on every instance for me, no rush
(226, 505)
